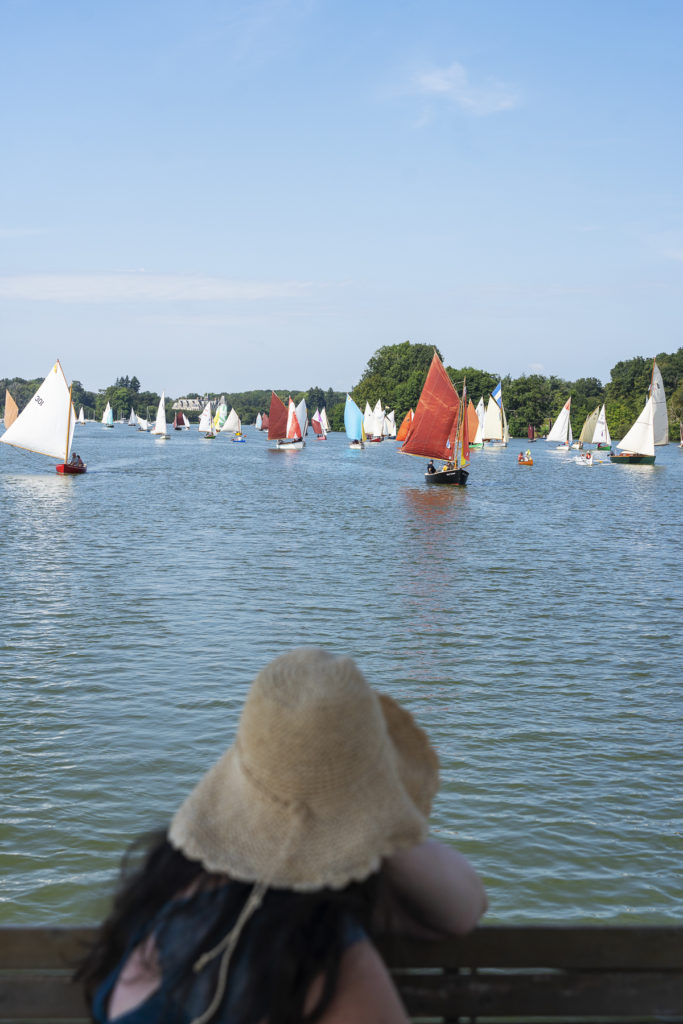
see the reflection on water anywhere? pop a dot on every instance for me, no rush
(530, 620)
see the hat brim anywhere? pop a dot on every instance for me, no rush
(233, 826)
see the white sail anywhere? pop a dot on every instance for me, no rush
(506, 429)
(81, 416)
(143, 424)
(302, 417)
(493, 422)
(601, 432)
(324, 420)
(259, 422)
(108, 416)
(233, 423)
(660, 415)
(186, 422)
(132, 419)
(205, 418)
(640, 439)
(561, 428)
(47, 423)
(160, 422)
(368, 420)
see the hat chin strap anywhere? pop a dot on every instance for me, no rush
(227, 947)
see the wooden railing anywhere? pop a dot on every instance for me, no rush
(536, 974)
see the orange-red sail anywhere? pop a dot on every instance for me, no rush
(436, 418)
(293, 428)
(277, 419)
(472, 420)
(405, 426)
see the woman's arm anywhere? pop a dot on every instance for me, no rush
(365, 993)
(438, 890)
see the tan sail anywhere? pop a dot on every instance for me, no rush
(589, 425)
(11, 409)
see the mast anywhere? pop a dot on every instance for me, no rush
(68, 424)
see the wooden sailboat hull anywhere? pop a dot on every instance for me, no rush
(287, 445)
(453, 477)
(633, 460)
(525, 462)
(66, 469)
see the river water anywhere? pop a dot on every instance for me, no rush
(531, 621)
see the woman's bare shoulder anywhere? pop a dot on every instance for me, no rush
(365, 992)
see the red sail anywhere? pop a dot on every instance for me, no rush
(436, 418)
(406, 424)
(265, 421)
(317, 427)
(277, 419)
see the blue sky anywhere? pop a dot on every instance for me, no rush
(218, 195)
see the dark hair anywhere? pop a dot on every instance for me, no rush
(293, 938)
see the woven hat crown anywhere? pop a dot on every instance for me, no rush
(324, 779)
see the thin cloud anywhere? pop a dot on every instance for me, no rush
(19, 232)
(452, 84)
(114, 288)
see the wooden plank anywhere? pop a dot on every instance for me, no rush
(48, 996)
(43, 947)
(580, 947)
(579, 994)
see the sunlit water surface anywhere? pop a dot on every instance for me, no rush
(531, 622)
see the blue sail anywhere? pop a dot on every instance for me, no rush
(353, 420)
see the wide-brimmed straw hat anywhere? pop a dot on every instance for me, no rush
(325, 778)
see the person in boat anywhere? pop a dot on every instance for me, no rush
(520, 457)
(76, 461)
(300, 845)
(431, 468)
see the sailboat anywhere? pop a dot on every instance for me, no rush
(143, 424)
(439, 429)
(318, 428)
(353, 424)
(159, 428)
(178, 422)
(108, 416)
(206, 423)
(47, 424)
(638, 446)
(11, 410)
(659, 414)
(561, 429)
(284, 425)
(478, 434)
(324, 420)
(220, 416)
(259, 422)
(495, 429)
(601, 436)
(233, 425)
(81, 417)
(588, 428)
(132, 419)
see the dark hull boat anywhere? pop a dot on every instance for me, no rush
(450, 477)
(439, 429)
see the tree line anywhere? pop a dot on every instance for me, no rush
(395, 374)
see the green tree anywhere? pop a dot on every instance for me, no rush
(395, 375)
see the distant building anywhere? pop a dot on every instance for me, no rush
(188, 405)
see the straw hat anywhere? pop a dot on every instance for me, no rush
(325, 778)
